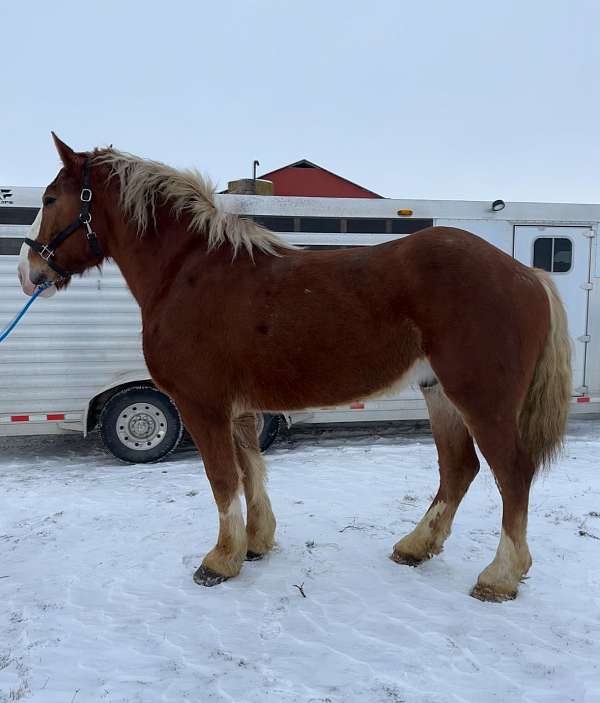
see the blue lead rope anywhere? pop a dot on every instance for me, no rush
(11, 325)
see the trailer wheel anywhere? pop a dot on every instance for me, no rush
(140, 425)
(267, 427)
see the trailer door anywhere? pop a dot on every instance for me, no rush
(564, 252)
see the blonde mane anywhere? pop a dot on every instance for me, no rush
(146, 185)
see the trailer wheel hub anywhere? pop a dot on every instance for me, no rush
(141, 426)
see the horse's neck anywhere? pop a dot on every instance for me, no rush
(147, 261)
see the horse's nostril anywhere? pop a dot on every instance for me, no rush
(38, 278)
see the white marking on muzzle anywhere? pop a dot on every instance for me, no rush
(23, 266)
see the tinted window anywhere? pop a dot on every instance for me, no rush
(10, 246)
(563, 254)
(320, 224)
(17, 215)
(408, 226)
(542, 253)
(365, 225)
(275, 224)
(326, 247)
(554, 254)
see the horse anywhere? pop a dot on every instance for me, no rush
(237, 322)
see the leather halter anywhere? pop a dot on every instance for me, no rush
(47, 251)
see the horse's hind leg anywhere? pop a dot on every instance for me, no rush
(458, 467)
(513, 471)
(260, 521)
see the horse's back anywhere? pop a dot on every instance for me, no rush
(458, 272)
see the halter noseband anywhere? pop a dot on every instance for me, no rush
(47, 251)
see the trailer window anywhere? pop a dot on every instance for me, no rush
(17, 215)
(409, 226)
(365, 225)
(10, 246)
(275, 224)
(320, 224)
(328, 247)
(553, 254)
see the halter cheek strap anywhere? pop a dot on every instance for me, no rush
(47, 251)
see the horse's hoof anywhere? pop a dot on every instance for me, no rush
(253, 556)
(406, 559)
(207, 577)
(489, 594)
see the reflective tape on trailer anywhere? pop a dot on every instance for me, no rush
(46, 417)
(337, 408)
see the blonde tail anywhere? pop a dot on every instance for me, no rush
(543, 417)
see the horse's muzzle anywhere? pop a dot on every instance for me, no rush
(30, 278)
(26, 284)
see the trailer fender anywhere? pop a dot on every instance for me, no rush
(130, 378)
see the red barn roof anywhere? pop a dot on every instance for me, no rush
(305, 178)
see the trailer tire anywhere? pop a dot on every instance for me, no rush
(267, 429)
(140, 425)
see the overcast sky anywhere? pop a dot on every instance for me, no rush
(429, 99)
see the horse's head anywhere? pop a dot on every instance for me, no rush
(62, 241)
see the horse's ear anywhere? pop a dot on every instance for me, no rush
(67, 155)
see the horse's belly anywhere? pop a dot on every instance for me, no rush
(323, 373)
(332, 393)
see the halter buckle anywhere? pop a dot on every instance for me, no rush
(86, 195)
(45, 252)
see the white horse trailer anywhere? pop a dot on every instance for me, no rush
(75, 362)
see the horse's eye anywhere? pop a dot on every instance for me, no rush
(48, 200)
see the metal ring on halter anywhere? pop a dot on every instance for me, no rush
(86, 195)
(87, 220)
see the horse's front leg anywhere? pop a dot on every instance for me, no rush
(213, 436)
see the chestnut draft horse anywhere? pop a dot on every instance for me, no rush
(237, 322)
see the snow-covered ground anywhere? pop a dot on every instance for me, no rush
(97, 601)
